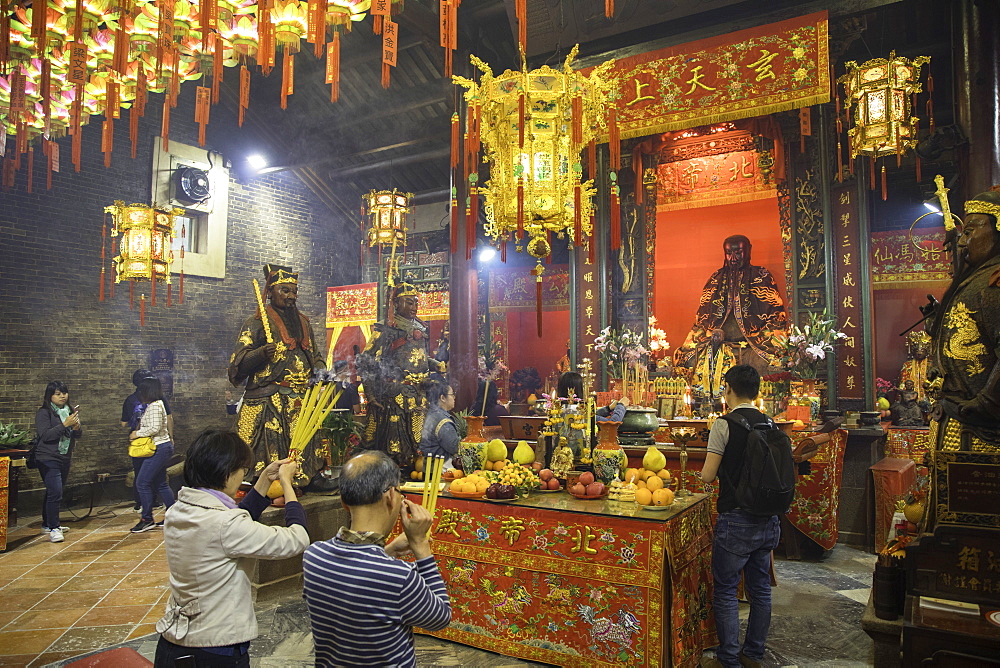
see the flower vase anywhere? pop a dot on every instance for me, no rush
(472, 449)
(609, 457)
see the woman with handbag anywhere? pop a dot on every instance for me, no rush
(58, 427)
(151, 467)
(209, 540)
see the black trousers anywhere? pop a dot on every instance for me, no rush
(169, 655)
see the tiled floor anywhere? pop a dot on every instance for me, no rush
(101, 586)
(105, 587)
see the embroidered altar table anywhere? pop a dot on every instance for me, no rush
(573, 582)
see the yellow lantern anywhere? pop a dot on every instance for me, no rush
(534, 125)
(881, 92)
(146, 237)
(387, 211)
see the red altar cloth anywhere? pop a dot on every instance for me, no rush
(560, 580)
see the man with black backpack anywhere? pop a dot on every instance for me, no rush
(753, 462)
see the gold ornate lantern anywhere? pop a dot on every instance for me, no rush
(387, 210)
(535, 124)
(880, 94)
(144, 248)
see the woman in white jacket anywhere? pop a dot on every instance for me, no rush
(211, 542)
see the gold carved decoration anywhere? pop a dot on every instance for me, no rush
(809, 227)
(965, 342)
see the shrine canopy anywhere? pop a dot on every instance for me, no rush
(753, 72)
(356, 306)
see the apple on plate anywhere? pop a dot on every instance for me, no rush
(579, 489)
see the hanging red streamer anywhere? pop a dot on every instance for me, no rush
(615, 221)
(333, 66)
(218, 68)
(31, 167)
(142, 310)
(165, 124)
(202, 110)
(577, 120)
(152, 287)
(454, 221)
(577, 216)
(521, 14)
(609, 9)
(111, 285)
(244, 92)
(287, 77)
(884, 190)
(520, 209)
(455, 140)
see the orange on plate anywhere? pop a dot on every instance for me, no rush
(654, 482)
(662, 497)
(643, 497)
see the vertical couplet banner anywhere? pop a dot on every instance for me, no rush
(852, 357)
(588, 305)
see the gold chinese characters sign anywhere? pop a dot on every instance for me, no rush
(897, 261)
(748, 73)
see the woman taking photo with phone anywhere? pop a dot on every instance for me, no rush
(151, 478)
(58, 427)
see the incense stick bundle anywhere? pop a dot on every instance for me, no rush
(317, 403)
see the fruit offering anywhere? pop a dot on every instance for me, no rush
(653, 460)
(592, 490)
(547, 480)
(499, 491)
(470, 484)
(524, 453)
(515, 475)
(622, 491)
(496, 451)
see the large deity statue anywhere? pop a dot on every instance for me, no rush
(913, 374)
(276, 374)
(392, 368)
(743, 301)
(966, 334)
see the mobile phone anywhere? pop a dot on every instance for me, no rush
(76, 408)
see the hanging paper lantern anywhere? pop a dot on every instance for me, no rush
(241, 32)
(387, 210)
(535, 125)
(93, 12)
(290, 23)
(343, 12)
(880, 92)
(141, 34)
(146, 236)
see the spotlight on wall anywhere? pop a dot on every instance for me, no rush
(257, 161)
(933, 205)
(487, 253)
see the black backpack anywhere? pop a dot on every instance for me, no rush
(766, 484)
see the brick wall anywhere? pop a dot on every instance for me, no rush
(52, 325)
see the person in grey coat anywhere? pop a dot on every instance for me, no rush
(57, 425)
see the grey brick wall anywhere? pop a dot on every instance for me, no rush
(52, 325)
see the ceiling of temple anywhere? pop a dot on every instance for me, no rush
(377, 138)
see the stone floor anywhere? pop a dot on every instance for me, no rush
(104, 587)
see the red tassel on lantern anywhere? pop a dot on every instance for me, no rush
(454, 140)
(930, 103)
(31, 167)
(218, 68)
(520, 120)
(521, 14)
(503, 251)
(616, 223)
(454, 221)
(152, 288)
(884, 191)
(244, 92)
(165, 123)
(111, 286)
(333, 66)
(871, 173)
(142, 310)
(520, 209)
(609, 9)
(577, 110)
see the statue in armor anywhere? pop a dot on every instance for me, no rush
(392, 368)
(276, 373)
(914, 370)
(965, 329)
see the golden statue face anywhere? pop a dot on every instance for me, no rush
(406, 306)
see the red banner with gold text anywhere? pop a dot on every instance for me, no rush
(748, 73)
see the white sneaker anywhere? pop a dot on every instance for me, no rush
(56, 536)
(62, 529)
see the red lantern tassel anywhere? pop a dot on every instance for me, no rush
(333, 66)
(386, 75)
(287, 80)
(614, 140)
(131, 295)
(31, 167)
(218, 69)
(609, 9)
(469, 224)
(152, 288)
(165, 123)
(918, 167)
(49, 160)
(142, 310)
(521, 13)
(592, 159)
(244, 92)
(871, 173)
(930, 104)
(503, 251)
(548, 240)
(520, 208)
(884, 191)
(169, 304)
(180, 292)
(454, 140)
(840, 161)
(577, 216)
(538, 302)
(377, 24)
(107, 140)
(75, 128)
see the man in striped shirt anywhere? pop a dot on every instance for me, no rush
(363, 601)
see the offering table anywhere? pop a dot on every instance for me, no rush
(574, 582)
